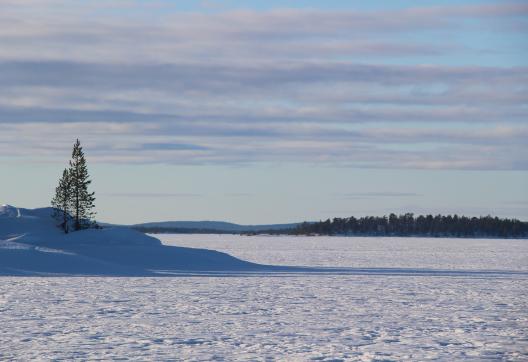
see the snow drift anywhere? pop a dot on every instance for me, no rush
(31, 244)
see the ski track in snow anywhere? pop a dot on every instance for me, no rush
(297, 317)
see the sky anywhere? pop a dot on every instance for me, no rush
(268, 111)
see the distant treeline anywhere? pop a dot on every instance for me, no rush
(392, 225)
(409, 225)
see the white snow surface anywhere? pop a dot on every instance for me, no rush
(362, 315)
(31, 244)
(366, 252)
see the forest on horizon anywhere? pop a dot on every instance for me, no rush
(391, 225)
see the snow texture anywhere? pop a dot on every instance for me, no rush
(367, 252)
(391, 299)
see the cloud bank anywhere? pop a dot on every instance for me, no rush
(148, 83)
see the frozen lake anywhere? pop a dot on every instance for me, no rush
(433, 253)
(297, 317)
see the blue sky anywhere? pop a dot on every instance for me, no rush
(276, 111)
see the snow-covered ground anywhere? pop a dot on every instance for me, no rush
(357, 252)
(288, 317)
(32, 245)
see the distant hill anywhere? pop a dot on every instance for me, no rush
(208, 227)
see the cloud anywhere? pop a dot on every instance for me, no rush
(100, 31)
(214, 76)
(266, 92)
(347, 88)
(485, 148)
(172, 146)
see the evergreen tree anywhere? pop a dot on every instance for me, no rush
(82, 201)
(409, 225)
(61, 203)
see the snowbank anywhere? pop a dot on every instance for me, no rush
(31, 244)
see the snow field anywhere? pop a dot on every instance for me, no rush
(294, 318)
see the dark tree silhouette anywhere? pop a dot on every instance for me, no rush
(82, 200)
(423, 225)
(61, 202)
(73, 203)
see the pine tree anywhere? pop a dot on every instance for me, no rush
(62, 200)
(81, 201)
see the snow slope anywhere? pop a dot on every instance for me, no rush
(31, 244)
